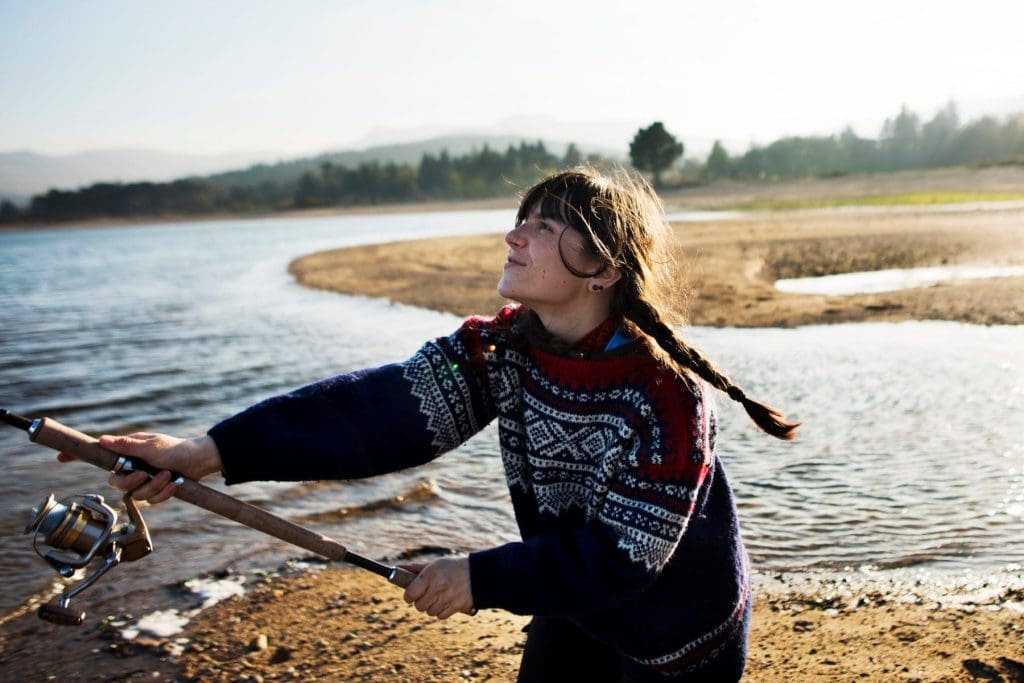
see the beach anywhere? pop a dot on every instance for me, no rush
(308, 621)
(729, 266)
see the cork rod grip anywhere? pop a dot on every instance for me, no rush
(64, 439)
(402, 577)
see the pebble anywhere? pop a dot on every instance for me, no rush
(259, 643)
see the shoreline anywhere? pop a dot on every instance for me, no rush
(363, 210)
(718, 195)
(309, 620)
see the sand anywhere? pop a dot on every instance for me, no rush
(728, 267)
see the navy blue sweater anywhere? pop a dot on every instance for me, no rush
(627, 520)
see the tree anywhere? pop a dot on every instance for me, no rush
(718, 165)
(572, 157)
(654, 149)
(8, 212)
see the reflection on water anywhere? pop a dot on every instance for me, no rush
(910, 452)
(891, 280)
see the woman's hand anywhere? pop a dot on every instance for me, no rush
(441, 588)
(194, 458)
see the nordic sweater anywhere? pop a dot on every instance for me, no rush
(627, 520)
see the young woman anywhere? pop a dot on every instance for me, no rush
(630, 560)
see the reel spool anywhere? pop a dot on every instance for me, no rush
(77, 529)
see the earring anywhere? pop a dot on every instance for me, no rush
(596, 288)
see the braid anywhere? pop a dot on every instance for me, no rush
(649, 321)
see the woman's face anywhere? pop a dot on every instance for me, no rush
(534, 273)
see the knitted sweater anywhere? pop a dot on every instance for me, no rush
(627, 520)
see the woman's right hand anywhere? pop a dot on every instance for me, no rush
(194, 458)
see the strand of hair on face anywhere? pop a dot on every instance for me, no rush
(764, 416)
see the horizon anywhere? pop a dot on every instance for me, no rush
(243, 78)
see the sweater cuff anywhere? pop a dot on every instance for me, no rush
(492, 579)
(230, 449)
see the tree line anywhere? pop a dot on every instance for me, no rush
(482, 173)
(904, 142)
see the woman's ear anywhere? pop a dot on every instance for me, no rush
(605, 279)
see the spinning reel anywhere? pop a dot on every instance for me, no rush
(75, 531)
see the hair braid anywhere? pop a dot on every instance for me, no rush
(646, 317)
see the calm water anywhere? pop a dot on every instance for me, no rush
(911, 454)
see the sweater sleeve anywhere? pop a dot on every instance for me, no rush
(364, 423)
(621, 549)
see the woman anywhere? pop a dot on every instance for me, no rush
(631, 560)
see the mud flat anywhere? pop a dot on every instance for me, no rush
(728, 267)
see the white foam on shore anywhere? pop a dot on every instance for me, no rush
(166, 623)
(891, 280)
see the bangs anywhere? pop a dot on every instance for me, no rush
(566, 197)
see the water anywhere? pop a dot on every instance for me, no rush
(910, 455)
(892, 279)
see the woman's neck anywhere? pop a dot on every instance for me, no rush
(571, 328)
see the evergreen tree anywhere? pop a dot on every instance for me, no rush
(718, 165)
(654, 149)
(572, 157)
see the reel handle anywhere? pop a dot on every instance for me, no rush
(62, 616)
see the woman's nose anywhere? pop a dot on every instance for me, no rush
(514, 236)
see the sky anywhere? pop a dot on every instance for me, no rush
(303, 77)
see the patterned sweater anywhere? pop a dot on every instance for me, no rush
(627, 520)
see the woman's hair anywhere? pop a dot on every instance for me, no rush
(623, 225)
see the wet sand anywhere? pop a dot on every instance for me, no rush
(348, 625)
(345, 624)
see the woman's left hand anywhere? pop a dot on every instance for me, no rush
(441, 588)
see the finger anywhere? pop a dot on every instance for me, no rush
(415, 590)
(127, 482)
(427, 603)
(65, 457)
(165, 493)
(152, 487)
(415, 567)
(124, 445)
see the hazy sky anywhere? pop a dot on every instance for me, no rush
(296, 77)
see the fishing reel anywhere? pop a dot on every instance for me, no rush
(76, 530)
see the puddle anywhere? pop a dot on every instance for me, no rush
(891, 280)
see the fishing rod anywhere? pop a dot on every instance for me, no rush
(78, 528)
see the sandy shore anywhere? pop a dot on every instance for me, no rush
(728, 267)
(334, 624)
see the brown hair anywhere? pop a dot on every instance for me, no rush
(623, 225)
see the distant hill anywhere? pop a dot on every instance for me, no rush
(25, 173)
(288, 173)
